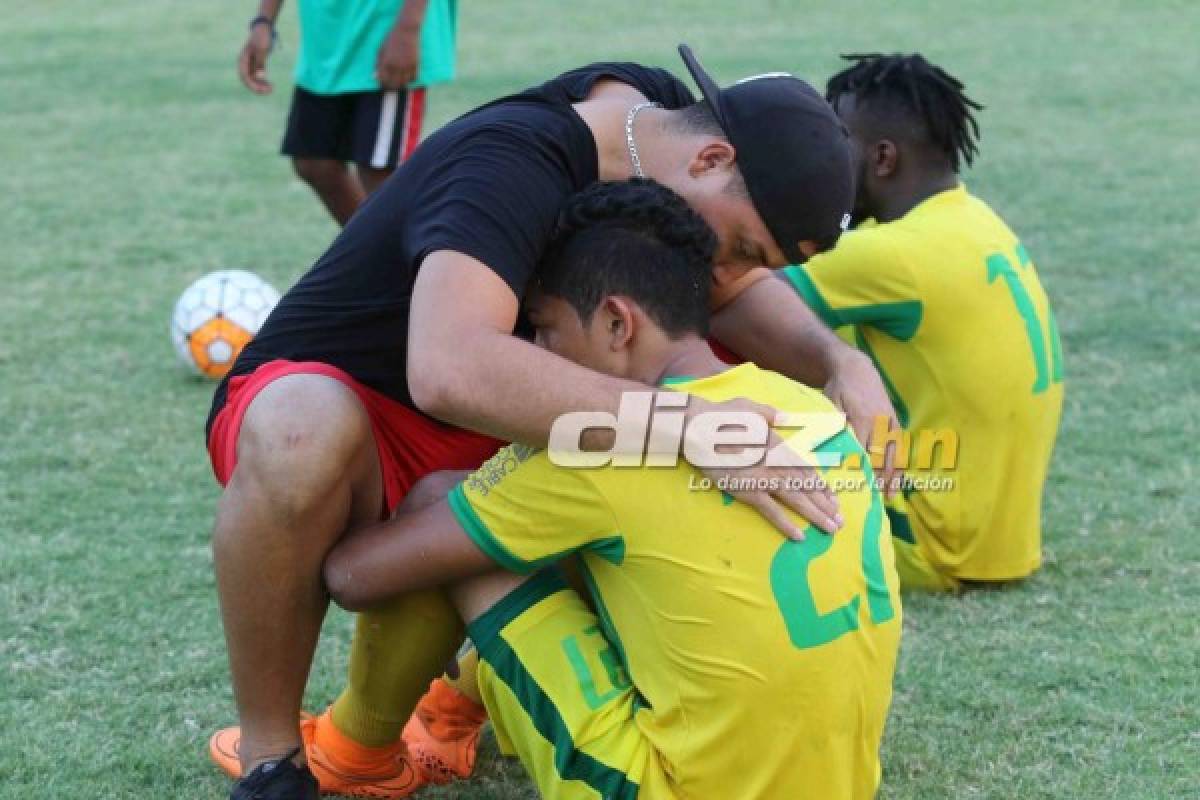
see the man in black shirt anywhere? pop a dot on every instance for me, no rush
(404, 328)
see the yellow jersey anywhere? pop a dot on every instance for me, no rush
(763, 667)
(947, 302)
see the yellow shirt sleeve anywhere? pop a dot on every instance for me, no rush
(525, 512)
(863, 282)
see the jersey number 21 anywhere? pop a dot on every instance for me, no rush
(806, 626)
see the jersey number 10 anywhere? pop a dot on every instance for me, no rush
(998, 266)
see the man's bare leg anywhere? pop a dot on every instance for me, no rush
(338, 187)
(307, 473)
(399, 646)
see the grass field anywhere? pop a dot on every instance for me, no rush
(131, 162)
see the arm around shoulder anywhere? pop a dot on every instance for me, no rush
(466, 368)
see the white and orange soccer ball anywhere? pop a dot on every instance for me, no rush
(216, 316)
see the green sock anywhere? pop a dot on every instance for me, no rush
(397, 650)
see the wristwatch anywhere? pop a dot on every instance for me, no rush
(270, 23)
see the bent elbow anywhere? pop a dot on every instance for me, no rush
(431, 386)
(340, 584)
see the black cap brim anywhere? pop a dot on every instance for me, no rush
(708, 87)
(792, 151)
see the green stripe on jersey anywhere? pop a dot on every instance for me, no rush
(571, 763)
(483, 538)
(901, 527)
(899, 319)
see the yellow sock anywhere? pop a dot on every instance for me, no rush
(397, 650)
(466, 683)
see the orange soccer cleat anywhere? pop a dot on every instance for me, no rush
(443, 733)
(342, 766)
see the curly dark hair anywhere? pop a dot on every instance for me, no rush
(909, 85)
(638, 239)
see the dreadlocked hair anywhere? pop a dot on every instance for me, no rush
(635, 238)
(931, 95)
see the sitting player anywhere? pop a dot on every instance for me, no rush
(946, 300)
(709, 626)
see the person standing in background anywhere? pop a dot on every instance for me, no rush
(361, 78)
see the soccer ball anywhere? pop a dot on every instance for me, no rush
(216, 316)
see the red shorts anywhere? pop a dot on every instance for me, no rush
(410, 444)
(724, 353)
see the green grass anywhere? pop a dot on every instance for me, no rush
(131, 162)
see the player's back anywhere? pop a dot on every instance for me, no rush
(978, 291)
(985, 363)
(766, 665)
(948, 303)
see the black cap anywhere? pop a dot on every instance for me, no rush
(792, 150)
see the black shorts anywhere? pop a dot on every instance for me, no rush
(373, 129)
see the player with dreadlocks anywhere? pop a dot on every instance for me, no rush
(944, 297)
(904, 101)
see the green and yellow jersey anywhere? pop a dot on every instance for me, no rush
(948, 303)
(762, 667)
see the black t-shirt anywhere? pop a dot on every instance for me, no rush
(490, 184)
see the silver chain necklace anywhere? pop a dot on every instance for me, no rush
(633, 151)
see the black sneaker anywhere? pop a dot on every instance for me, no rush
(277, 780)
